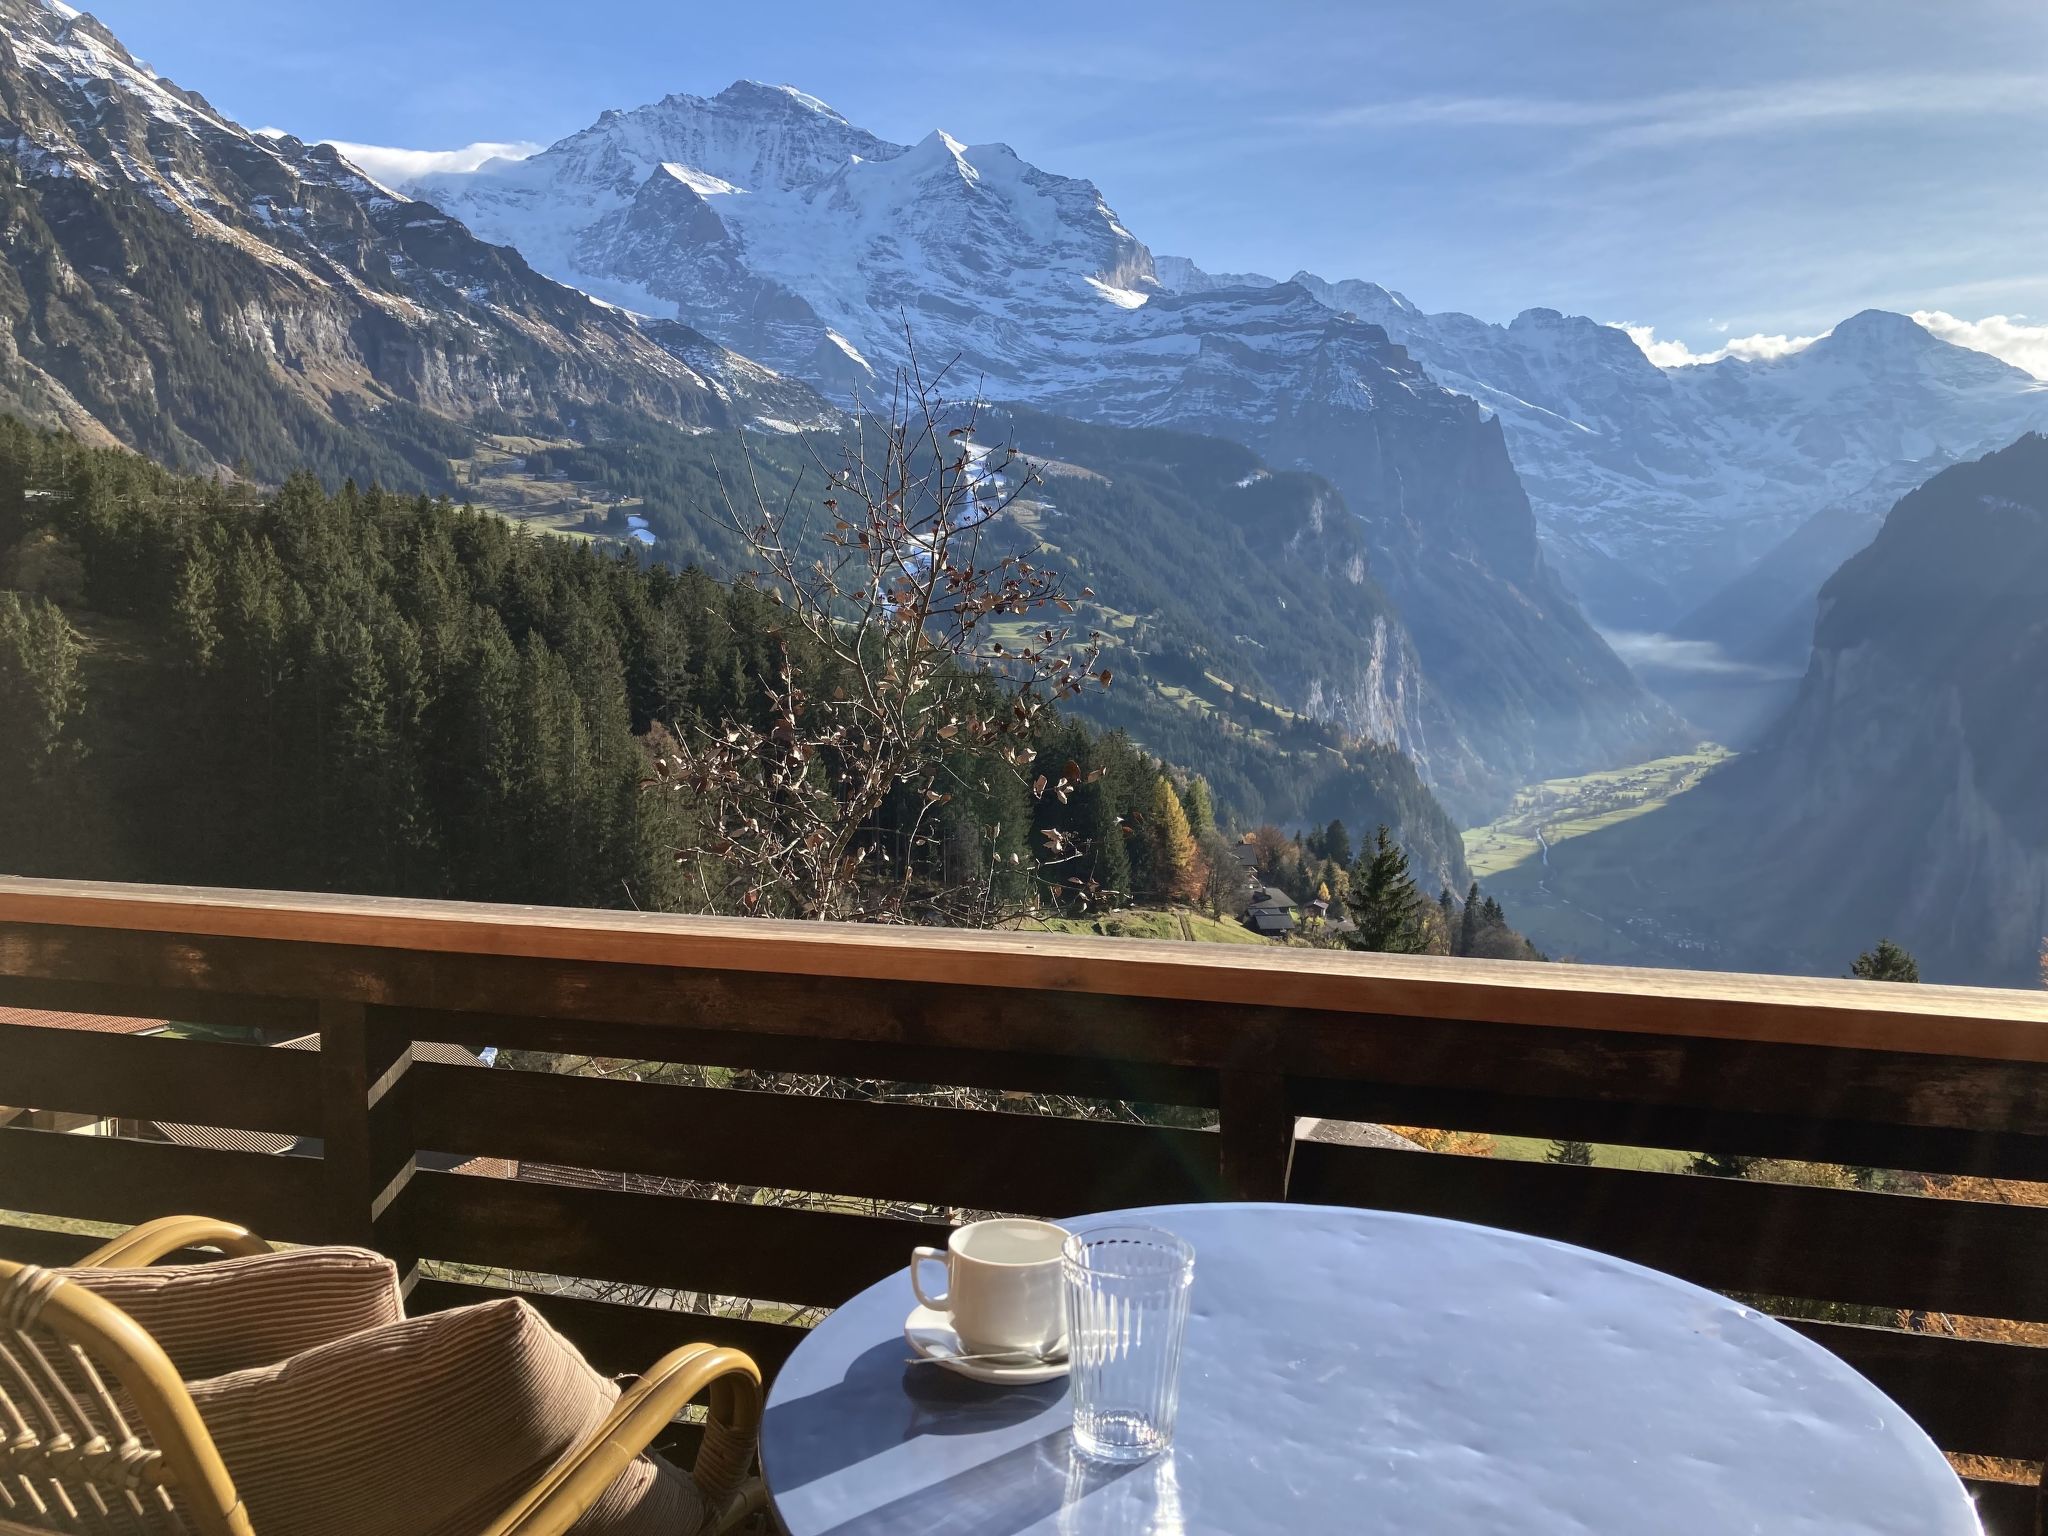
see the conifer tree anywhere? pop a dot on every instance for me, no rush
(1468, 924)
(1573, 1154)
(1175, 872)
(1199, 805)
(1384, 902)
(1887, 962)
(1337, 844)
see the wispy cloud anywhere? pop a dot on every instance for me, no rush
(1673, 353)
(397, 166)
(1669, 653)
(1610, 125)
(2003, 336)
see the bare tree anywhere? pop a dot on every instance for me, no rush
(925, 640)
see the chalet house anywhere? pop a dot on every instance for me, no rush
(1271, 913)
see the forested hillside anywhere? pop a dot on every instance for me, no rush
(1236, 604)
(370, 692)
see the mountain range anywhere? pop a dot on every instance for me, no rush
(767, 220)
(1319, 515)
(1656, 488)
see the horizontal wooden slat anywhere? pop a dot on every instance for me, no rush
(619, 1339)
(1808, 1010)
(105, 1178)
(1017, 1071)
(890, 1013)
(1973, 1396)
(1639, 1083)
(805, 1023)
(194, 1082)
(52, 1250)
(1729, 1234)
(978, 1159)
(199, 1002)
(1651, 1124)
(768, 1253)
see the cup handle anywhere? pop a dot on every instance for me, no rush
(943, 1302)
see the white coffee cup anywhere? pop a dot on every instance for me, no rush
(1003, 1285)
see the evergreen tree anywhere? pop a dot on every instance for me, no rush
(41, 698)
(1468, 924)
(1175, 873)
(1575, 1154)
(1887, 962)
(1336, 844)
(1384, 901)
(1721, 1165)
(1199, 805)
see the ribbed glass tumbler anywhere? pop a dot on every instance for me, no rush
(1127, 1313)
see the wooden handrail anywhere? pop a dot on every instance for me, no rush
(1994, 1024)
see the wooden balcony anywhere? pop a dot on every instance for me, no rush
(1246, 1042)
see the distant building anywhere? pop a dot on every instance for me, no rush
(1271, 913)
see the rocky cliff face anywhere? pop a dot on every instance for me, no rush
(1901, 794)
(172, 281)
(1527, 688)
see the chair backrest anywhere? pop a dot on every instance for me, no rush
(97, 1433)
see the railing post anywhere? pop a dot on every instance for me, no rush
(366, 1126)
(1255, 1116)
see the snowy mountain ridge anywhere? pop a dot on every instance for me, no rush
(174, 276)
(763, 216)
(1656, 487)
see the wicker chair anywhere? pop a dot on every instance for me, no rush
(73, 1460)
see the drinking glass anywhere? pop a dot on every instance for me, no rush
(1127, 1312)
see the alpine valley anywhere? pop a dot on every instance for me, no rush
(1351, 559)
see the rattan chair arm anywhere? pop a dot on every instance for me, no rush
(191, 1464)
(141, 1246)
(643, 1411)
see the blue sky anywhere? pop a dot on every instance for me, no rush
(1713, 168)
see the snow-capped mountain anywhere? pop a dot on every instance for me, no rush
(173, 281)
(764, 218)
(1655, 487)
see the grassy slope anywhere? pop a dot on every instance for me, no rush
(1586, 902)
(1647, 1159)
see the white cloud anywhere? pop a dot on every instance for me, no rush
(1615, 123)
(395, 167)
(1672, 353)
(1668, 653)
(2003, 336)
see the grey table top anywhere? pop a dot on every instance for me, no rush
(1355, 1370)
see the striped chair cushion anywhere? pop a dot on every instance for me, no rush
(237, 1313)
(430, 1427)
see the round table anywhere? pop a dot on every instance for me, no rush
(1362, 1371)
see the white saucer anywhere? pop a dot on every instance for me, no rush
(931, 1335)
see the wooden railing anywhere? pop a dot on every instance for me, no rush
(1946, 1081)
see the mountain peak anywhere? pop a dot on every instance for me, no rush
(1872, 327)
(761, 94)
